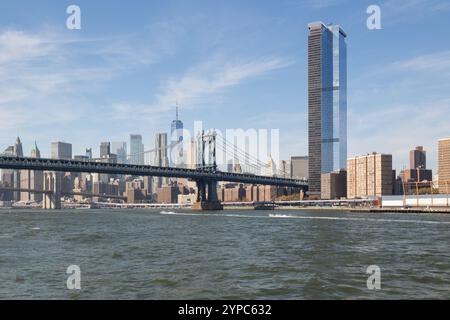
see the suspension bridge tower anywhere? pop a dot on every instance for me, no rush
(207, 188)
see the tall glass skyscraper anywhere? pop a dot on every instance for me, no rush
(176, 142)
(136, 150)
(327, 101)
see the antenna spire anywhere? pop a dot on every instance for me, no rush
(176, 110)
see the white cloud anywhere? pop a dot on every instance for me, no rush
(401, 11)
(394, 117)
(439, 61)
(210, 78)
(398, 129)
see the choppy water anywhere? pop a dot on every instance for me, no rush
(143, 254)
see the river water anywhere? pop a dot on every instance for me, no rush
(155, 254)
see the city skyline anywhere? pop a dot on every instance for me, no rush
(388, 80)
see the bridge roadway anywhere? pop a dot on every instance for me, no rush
(51, 192)
(23, 163)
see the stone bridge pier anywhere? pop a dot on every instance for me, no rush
(52, 183)
(207, 196)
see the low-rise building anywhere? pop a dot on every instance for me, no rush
(334, 185)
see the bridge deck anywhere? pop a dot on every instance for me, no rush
(20, 163)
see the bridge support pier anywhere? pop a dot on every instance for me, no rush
(207, 201)
(52, 182)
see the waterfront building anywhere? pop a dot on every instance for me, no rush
(369, 176)
(334, 185)
(444, 165)
(417, 175)
(299, 167)
(167, 194)
(327, 101)
(136, 150)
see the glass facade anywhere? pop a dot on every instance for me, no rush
(334, 99)
(136, 150)
(176, 142)
(327, 101)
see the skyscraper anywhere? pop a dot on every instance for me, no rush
(136, 150)
(418, 158)
(327, 101)
(176, 141)
(61, 150)
(161, 159)
(444, 165)
(105, 149)
(120, 149)
(18, 152)
(89, 153)
(32, 180)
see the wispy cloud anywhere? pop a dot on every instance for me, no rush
(199, 84)
(211, 78)
(412, 111)
(439, 61)
(46, 80)
(320, 4)
(398, 11)
(403, 127)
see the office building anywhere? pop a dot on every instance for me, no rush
(7, 176)
(89, 153)
(270, 169)
(32, 180)
(299, 167)
(417, 176)
(61, 150)
(105, 149)
(418, 158)
(136, 150)
(334, 185)
(18, 152)
(369, 176)
(161, 159)
(327, 101)
(285, 169)
(444, 165)
(176, 142)
(120, 149)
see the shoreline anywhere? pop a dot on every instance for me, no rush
(347, 209)
(287, 208)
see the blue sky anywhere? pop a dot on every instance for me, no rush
(232, 64)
